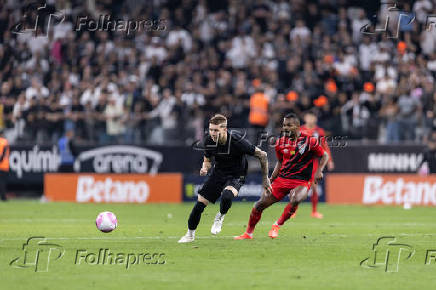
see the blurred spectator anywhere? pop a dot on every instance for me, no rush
(259, 112)
(67, 151)
(115, 118)
(354, 117)
(390, 113)
(203, 57)
(407, 113)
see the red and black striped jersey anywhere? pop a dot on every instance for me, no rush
(299, 157)
(319, 133)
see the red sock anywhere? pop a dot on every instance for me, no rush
(289, 210)
(254, 219)
(314, 199)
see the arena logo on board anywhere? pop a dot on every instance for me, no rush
(120, 159)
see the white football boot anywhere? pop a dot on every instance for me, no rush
(188, 237)
(217, 224)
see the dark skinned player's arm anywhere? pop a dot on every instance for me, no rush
(276, 170)
(326, 147)
(322, 164)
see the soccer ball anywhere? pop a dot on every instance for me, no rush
(106, 222)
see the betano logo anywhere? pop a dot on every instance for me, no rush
(108, 190)
(377, 189)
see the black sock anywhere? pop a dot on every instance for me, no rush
(195, 216)
(226, 201)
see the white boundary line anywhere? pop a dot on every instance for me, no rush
(205, 237)
(115, 238)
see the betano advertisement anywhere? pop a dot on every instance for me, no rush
(385, 189)
(118, 188)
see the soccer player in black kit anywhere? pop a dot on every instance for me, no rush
(227, 150)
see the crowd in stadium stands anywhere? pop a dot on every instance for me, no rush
(205, 56)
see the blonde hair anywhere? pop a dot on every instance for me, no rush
(218, 119)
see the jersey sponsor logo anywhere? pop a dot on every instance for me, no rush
(108, 190)
(286, 151)
(121, 159)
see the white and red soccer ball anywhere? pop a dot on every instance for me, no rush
(106, 222)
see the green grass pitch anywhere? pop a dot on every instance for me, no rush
(309, 253)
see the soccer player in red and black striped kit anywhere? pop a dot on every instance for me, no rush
(311, 128)
(296, 169)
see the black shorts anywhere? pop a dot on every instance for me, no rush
(215, 184)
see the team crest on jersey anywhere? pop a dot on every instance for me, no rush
(302, 148)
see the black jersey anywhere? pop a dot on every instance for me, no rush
(230, 157)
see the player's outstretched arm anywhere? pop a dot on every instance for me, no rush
(263, 159)
(206, 166)
(276, 171)
(322, 164)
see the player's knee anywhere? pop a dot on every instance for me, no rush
(299, 195)
(227, 195)
(226, 201)
(202, 200)
(260, 205)
(199, 207)
(231, 189)
(293, 198)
